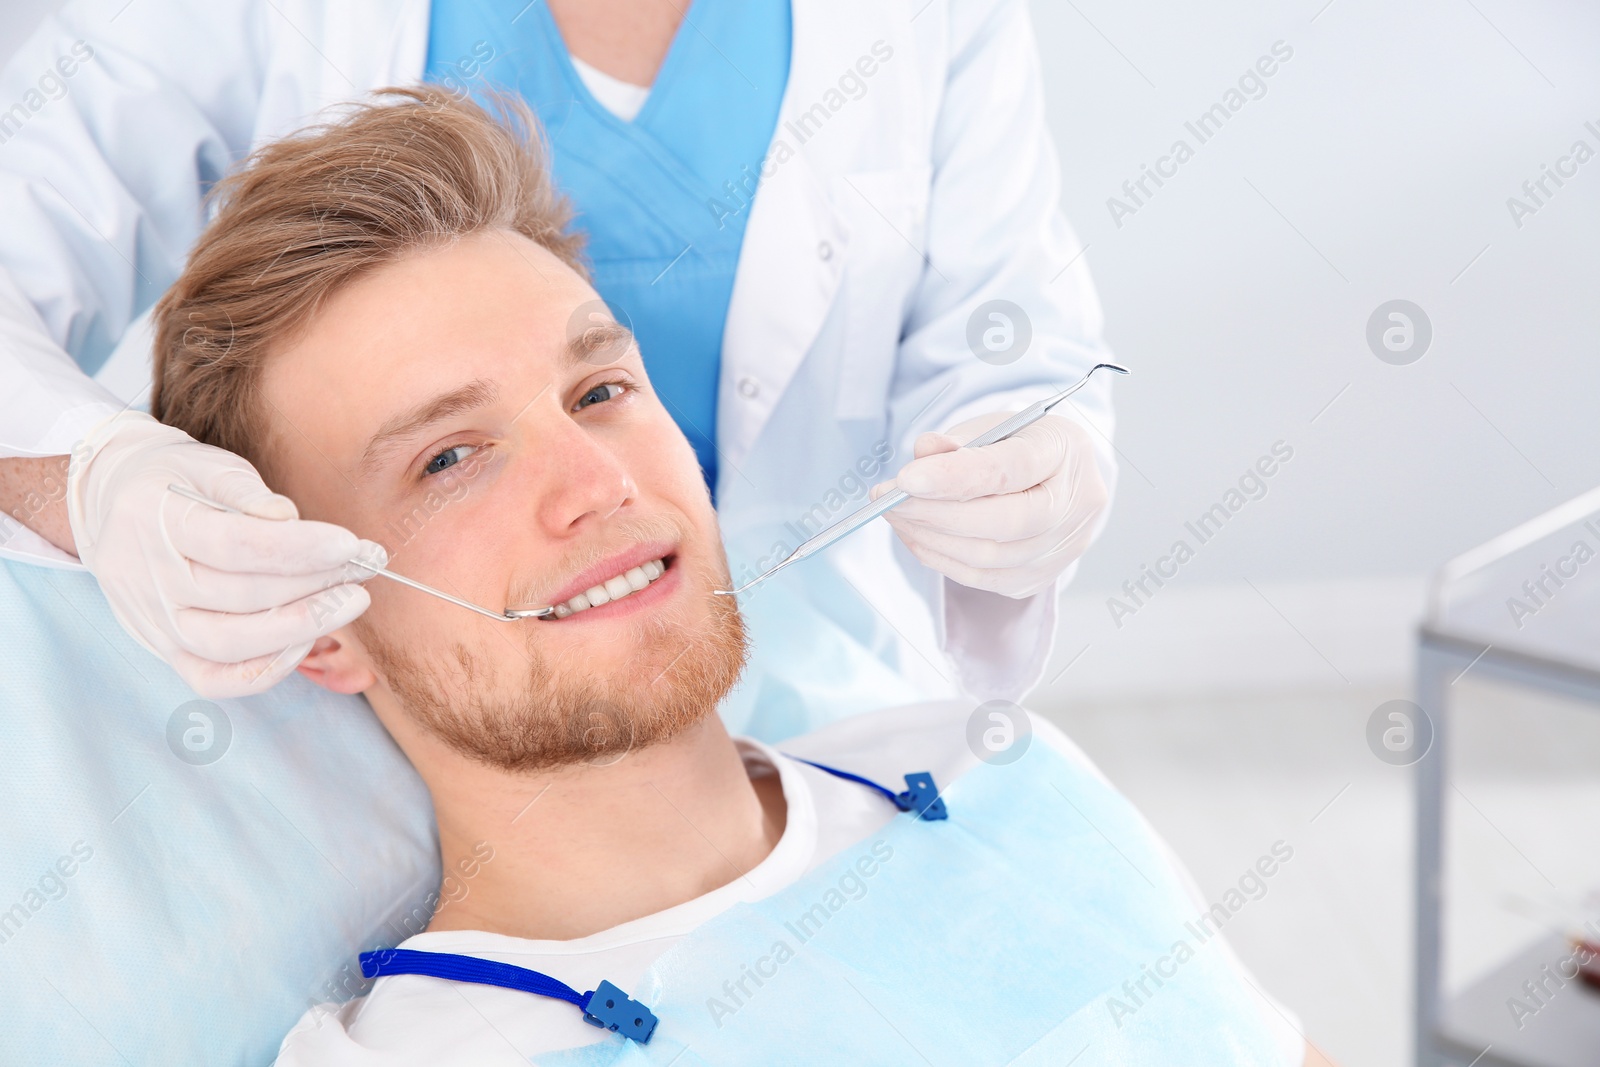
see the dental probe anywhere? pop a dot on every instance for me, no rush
(510, 615)
(895, 497)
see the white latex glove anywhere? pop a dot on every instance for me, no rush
(232, 602)
(1008, 517)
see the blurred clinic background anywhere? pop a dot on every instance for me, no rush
(1375, 164)
(1384, 159)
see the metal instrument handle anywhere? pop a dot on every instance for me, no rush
(507, 616)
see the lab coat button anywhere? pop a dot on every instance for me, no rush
(749, 387)
(824, 251)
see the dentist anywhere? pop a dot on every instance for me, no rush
(833, 228)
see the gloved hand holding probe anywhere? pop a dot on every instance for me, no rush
(1010, 517)
(232, 602)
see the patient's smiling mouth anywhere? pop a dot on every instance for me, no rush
(613, 589)
(621, 584)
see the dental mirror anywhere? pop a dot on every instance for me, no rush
(890, 500)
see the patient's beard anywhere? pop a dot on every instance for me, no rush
(559, 716)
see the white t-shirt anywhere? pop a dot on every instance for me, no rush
(413, 1019)
(622, 99)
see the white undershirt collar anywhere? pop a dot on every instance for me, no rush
(622, 99)
(790, 858)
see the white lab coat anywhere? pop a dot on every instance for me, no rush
(895, 212)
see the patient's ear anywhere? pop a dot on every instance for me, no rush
(332, 665)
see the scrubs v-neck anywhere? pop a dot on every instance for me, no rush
(663, 199)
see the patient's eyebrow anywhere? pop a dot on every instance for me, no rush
(474, 394)
(602, 344)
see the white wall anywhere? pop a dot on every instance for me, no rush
(18, 20)
(1376, 166)
(1391, 141)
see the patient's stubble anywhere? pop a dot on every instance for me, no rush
(553, 715)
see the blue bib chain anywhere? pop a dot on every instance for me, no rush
(921, 795)
(606, 1006)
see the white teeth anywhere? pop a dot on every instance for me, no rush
(624, 584)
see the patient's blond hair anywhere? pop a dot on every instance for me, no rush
(307, 215)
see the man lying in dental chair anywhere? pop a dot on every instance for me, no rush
(382, 319)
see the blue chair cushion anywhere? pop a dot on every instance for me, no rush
(181, 879)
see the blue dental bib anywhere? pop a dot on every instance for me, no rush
(1039, 924)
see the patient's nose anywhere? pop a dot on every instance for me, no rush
(581, 481)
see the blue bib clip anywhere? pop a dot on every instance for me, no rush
(611, 1009)
(607, 1007)
(921, 795)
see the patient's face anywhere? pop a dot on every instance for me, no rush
(546, 469)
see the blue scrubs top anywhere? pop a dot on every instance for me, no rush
(663, 199)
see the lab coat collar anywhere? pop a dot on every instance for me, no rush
(362, 47)
(797, 242)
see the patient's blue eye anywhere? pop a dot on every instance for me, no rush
(601, 393)
(448, 458)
